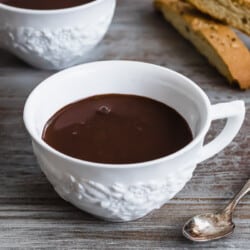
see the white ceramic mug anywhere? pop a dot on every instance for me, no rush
(127, 191)
(54, 39)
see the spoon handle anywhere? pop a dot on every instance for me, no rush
(231, 206)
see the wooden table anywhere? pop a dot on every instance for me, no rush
(31, 213)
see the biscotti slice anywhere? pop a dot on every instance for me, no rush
(234, 12)
(214, 40)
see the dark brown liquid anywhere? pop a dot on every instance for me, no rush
(45, 4)
(117, 129)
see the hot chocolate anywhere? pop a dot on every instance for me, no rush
(45, 4)
(117, 129)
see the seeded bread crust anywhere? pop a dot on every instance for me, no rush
(214, 40)
(233, 12)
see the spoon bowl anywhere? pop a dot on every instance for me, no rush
(208, 227)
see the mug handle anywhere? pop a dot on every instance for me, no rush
(235, 113)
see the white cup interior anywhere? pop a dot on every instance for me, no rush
(122, 77)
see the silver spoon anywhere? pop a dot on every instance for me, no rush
(212, 226)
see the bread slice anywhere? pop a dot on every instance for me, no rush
(214, 40)
(233, 12)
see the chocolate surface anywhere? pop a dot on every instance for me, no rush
(45, 4)
(117, 129)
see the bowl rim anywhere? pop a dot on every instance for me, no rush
(198, 138)
(49, 11)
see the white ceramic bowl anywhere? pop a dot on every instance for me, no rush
(129, 191)
(54, 39)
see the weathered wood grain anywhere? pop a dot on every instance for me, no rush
(31, 213)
